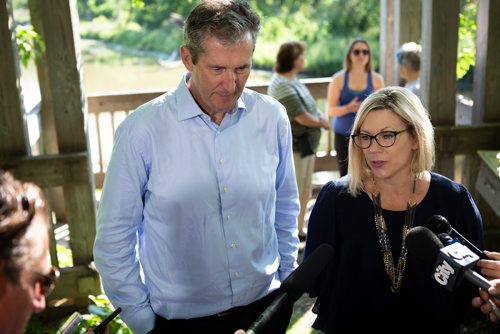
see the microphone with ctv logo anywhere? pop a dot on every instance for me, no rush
(439, 225)
(453, 262)
(300, 280)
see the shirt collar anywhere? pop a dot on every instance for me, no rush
(188, 106)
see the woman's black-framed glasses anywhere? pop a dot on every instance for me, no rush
(47, 281)
(384, 138)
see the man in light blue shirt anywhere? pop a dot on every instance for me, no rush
(202, 179)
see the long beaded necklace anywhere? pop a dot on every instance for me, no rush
(395, 274)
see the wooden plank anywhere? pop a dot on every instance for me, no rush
(59, 19)
(438, 67)
(118, 102)
(387, 47)
(13, 135)
(439, 58)
(492, 160)
(76, 282)
(50, 170)
(48, 134)
(80, 213)
(407, 26)
(487, 69)
(98, 103)
(467, 139)
(60, 26)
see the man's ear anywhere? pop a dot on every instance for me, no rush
(187, 60)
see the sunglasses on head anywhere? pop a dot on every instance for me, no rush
(47, 281)
(357, 52)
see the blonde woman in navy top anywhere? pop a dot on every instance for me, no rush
(349, 87)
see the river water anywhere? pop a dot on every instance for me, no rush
(110, 68)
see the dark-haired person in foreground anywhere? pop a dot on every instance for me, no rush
(202, 180)
(373, 284)
(26, 277)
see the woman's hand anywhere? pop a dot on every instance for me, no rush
(353, 106)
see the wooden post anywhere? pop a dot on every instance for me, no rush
(486, 86)
(13, 134)
(60, 22)
(407, 23)
(387, 42)
(438, 68)
(48, 136)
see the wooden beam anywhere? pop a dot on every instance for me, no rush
(407, 26)
(467, 139)
(13, 134)
(438, 68)
(439, 58)
(48, 133)
(117, 102)
(76, 282)
(387, 47)
(50, 170)
(126, 101)
(487, 70)
(59, 18)
(60, 26)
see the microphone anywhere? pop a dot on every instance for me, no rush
(453, 262)
(299, 281)
(439, 224)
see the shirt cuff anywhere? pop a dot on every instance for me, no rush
(140, 321)
(284, 275)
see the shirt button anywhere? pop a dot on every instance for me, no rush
(225, 189)
(236, 274)
(221, 161)
(233, 245)
(228, 217)
(238, 299)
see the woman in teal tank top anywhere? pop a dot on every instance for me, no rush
(349, 87)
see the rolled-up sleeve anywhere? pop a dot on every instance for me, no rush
(287, 202)
(118, 221)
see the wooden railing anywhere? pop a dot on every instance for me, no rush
(106, 112)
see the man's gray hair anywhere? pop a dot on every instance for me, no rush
(227, 20)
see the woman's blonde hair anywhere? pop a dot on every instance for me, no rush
(408, 107)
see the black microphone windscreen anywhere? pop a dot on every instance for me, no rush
(438, 224)
(423, 244)
(303, 278)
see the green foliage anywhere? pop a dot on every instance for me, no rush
(29, 44)
(467, 38)
(64, 256)
(98, 311)
(157, 27)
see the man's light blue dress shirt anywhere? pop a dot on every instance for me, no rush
(213, 208)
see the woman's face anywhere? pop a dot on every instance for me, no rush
(393, 161)
(300, 62)
(360, 54)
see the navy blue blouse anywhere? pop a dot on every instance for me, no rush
(354, 292)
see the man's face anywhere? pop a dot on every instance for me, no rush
(218, 78)
(18, 301)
